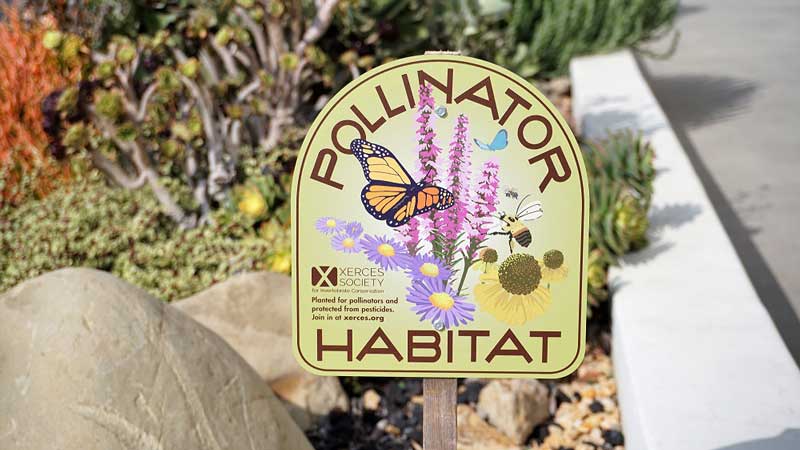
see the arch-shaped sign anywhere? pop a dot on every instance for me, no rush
(440, 216)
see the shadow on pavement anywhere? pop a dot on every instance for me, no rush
(788, 440)
(702, 99)
(766, 285)
(686, 10)
(661, 218)
(672, 215)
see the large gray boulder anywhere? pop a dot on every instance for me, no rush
(252, 312)
(88, 361)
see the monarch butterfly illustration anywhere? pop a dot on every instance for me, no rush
(391, 194)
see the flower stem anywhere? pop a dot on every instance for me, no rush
(467, 263)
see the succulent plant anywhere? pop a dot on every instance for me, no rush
(251, 202)
(597, 277)
(175, 110)
(621, 175)
(621, 178)
(630, 222)
(623, 156)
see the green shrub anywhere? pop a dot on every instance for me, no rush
(124, 232)
(530, 37)
(542, 36)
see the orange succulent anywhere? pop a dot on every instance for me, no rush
(28, 73)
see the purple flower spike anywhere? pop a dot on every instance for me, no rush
(433, 300)
(485, 203)
(409, 234)
(458, 176)
(426, 136)
(418, 228)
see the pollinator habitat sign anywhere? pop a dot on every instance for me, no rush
(440, 211)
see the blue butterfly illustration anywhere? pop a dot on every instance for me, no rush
(499, 142)
(391, 194)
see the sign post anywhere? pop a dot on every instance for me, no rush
(439, 413)
(439, 226)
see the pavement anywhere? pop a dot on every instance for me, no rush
(732, 92)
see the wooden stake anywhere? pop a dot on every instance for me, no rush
(439, 414)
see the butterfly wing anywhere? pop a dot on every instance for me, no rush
(391, 194)
(382, 200)
(379, 163)
(481, 145)
(500, 140)
(420, 200)
(397, 205)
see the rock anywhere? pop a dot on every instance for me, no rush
(559, 86)
(515, 407)
(475, 434)
(371, 400)
(307, 396)
(89, 361)
(252, 312)
(392, 429)
(469, 391)
(589, 417)
(614, 437)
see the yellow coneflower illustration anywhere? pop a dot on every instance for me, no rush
(553, 267)
(513, 293)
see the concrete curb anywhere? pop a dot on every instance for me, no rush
(699, 363)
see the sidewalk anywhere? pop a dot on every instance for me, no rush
(698, 361)
(732, 92)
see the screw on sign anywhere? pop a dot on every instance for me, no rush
(440, 215)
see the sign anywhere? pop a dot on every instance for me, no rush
(440, 212)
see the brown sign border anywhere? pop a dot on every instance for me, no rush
(352, 87)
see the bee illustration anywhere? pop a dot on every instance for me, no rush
(513, 225)
(511, 192)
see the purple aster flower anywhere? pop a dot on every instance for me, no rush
(427, 267)
(343, 242)
(384, 251)
(329, 225)
(354, 229)
(435, 301)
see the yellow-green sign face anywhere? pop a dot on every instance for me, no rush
(440, 211)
